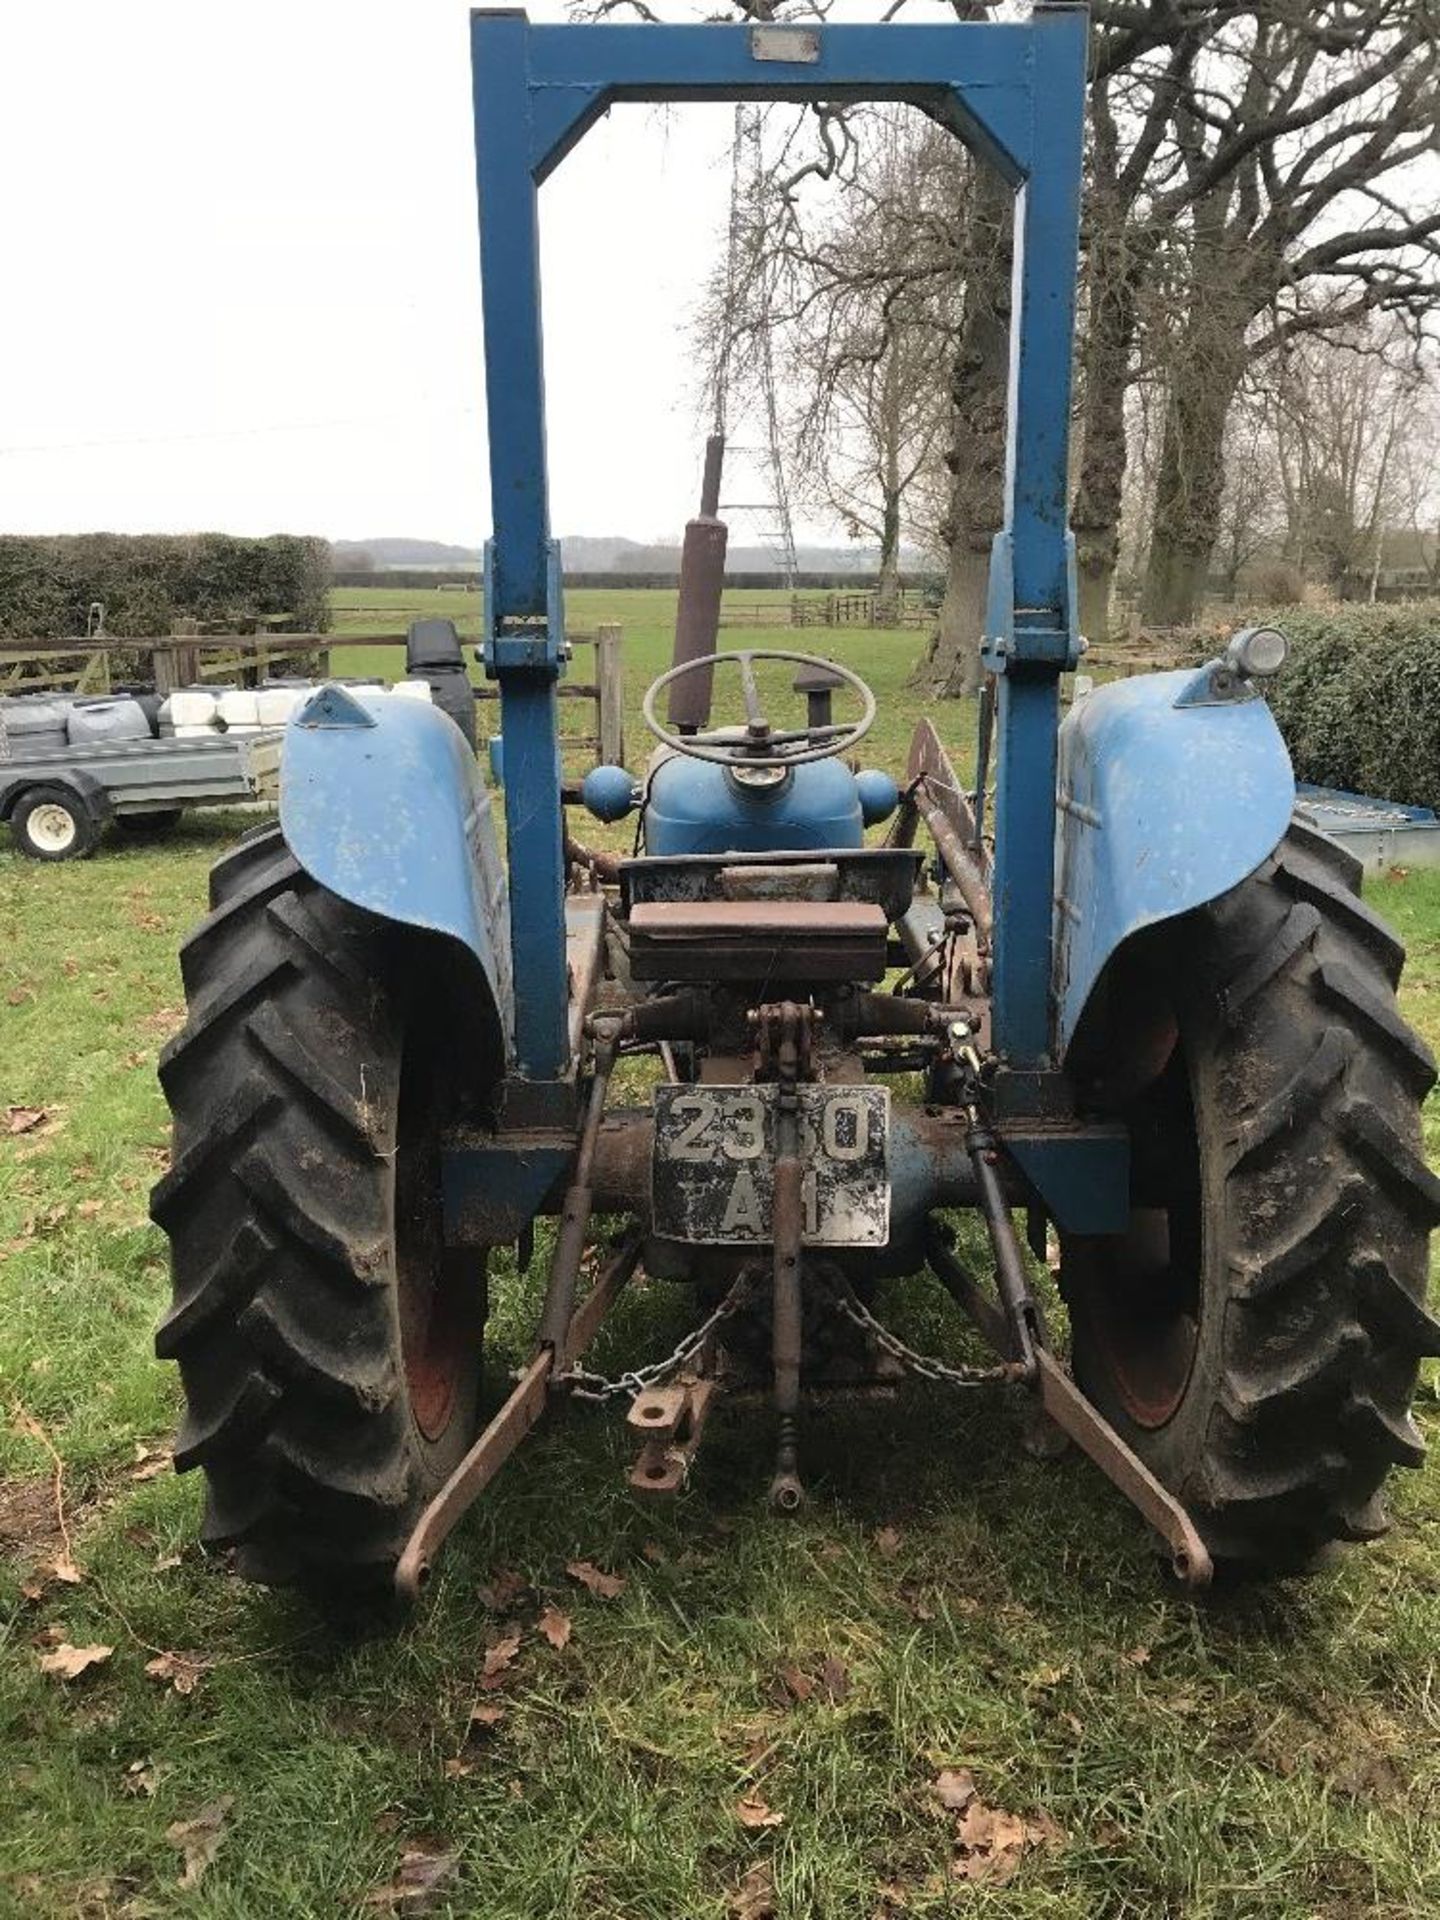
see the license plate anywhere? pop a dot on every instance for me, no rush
(713, 1173)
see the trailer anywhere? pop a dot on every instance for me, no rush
(58, 801)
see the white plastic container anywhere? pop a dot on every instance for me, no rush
(239, 710)
(274, 705)
(190, 708)
(412, 689)
(106, 720)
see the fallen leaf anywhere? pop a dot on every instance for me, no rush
(954, 1788)
(992, 1842)
(754, 1898)
(502, 1590)
(835, 1680)
(166, 1562)
(32, 1591)
(419, 1884)
(182, 1671)
(65, 1570)
(17, 996)
(25, 1119)
(887, 1542)
(140, 1777)
(1048, 1676)
(654, 1553)
(199, 1839)
(752, 1812)
(608, 1586)
(88, 1209)
(1046, 1831)
(497, 1660)
(794, 1682)
(1138, 1656)
(70, 1662)
(149, 1466)
(556, 1628)
(919, 1607)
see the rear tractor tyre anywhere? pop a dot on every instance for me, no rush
(329, 1346)
(1256, 1334)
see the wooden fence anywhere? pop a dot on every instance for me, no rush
(100, 663)
(840, 609)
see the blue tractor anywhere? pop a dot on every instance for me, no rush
(1152, 1017)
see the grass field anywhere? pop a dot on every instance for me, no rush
(756, 1720)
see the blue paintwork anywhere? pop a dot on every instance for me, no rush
(523, 645)
(694, 806)
(1082, 1175)
(493, 1189)
(1163, 808)
(608, 793)
(1013, 92)
(388, 811)
(878, 795)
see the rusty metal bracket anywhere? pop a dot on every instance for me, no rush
(1078, 1418)
(523, 1408)
(672, 1422)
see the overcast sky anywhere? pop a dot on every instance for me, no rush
(242, 282)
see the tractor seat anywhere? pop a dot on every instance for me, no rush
(701, 941)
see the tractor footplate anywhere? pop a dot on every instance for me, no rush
(672, 1420)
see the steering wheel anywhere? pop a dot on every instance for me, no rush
(761, 745)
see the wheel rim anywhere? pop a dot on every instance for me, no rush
(1139, 1294)
(51, 827)
(435, 1288)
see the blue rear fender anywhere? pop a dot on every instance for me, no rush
(381, 801)
(1162, 807)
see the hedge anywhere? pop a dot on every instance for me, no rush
(1358, 700)
(150, 583)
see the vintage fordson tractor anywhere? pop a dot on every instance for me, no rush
(1156, 1020)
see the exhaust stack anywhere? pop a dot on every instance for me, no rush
(702, 580)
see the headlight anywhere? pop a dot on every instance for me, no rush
(1257, 653)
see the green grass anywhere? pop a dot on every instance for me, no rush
(1269, 1754)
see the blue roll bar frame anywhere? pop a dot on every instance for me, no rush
(1014, 93)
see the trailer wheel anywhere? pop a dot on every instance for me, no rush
(1255, 1336)
(329, 1346)
(53, 823)
(150, 826)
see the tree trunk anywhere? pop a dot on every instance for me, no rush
(951, 666)
(1190, 486)
(1105, 373)
(887, 586)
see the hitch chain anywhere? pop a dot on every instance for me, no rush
(586, 1385)
(925, 1365)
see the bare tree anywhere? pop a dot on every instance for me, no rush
(1296, 150)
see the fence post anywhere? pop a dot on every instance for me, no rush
(610, 695)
